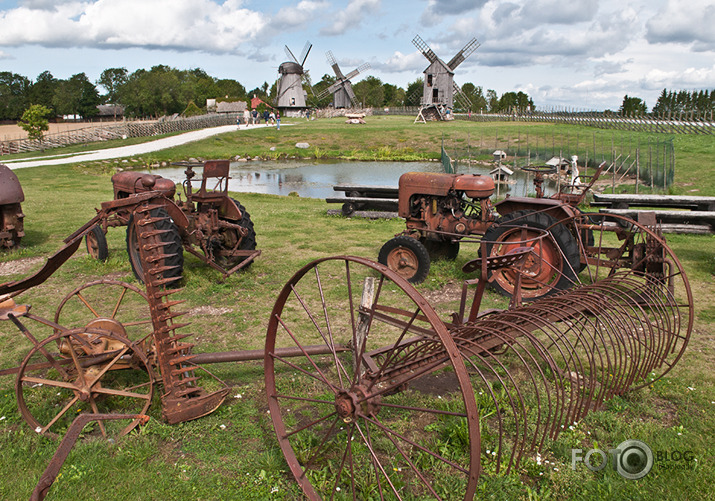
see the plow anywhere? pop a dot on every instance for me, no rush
(372, 391)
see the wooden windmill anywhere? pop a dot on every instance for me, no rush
(439, 89)
(342, 89)
(290, 94)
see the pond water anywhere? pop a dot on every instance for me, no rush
(316, 179)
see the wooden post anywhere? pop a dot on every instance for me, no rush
(368, 295)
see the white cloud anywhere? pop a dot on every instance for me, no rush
(351, 17)
(5, 55)
(686, 22)
(111, 24)
(413, 62)
(437, 9)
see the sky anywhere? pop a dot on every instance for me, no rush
(573, 54)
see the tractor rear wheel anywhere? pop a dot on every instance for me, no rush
(440, 249)
(170, 235)
(96, 242)
(229, 238)
(407, 257)
(555, 260)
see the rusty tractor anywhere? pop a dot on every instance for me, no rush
(11, 196)
(208, 223)
(442, 210)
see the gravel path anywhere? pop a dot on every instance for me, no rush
(127, 151)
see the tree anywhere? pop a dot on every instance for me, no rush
(42, 91)
(492, 101)
(112, 79)
(370, 92)
(192, 110)
(13, 95)
(76, 96)
(475, 94)
(633, 106)
(34, 121)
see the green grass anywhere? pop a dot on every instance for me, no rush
(233, 453)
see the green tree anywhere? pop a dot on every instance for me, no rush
(14, 91)
(34, 121)
(76, 96)
(112, 79)
(370, 92)
(43, 89)
(492, 101)
(192, 110)
(633, 106)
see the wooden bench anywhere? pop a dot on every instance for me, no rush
(383, 198)
(675, 221)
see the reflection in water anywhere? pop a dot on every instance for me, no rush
(316, 179)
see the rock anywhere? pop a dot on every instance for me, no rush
(237, 158)
(193, 160)
(273, 148)
(241, 160)
(302, 146)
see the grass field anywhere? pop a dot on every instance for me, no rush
(233, 453)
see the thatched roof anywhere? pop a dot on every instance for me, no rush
(231, 107)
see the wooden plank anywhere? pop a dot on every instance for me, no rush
(674, 201)
(361, 200)
(669, 216)
(368, 191)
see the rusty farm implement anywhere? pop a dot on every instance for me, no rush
(372, 391)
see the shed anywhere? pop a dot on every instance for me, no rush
(501, 173)
(499, 155)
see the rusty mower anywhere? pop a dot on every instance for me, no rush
(208, 223)
(11, 196)
(371, 392)
(442, 210)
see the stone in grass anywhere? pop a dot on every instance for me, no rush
(302, 146)
(273, 148)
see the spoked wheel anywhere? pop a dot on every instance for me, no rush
(83, 371)
(622, 246)
(407, 257)
(352, 354)
(111, 305)
(554, 261)
(96, 242)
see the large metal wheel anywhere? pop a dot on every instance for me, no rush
(83, 371)
(351, 379)
(554, 261)
(112, 305)
(167, 233)
(620, 245)
(407, 257)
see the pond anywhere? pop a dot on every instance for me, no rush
(316, 179)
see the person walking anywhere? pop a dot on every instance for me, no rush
(266, 116)
(278, 120)
(255, 117)
(246, 116)
(273, 117)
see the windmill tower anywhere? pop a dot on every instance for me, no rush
(439, 89)
(342, 89)
(291, 97)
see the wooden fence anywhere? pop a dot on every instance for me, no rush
(124, 130)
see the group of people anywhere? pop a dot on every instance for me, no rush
(254, 117)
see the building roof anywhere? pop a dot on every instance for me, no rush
(231, 106)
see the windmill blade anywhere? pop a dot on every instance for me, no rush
(306, 76)
(424, 48)
(304, 53)
(463, 54)
(349, 90)
(357, 70)
(290, 55)
(461, 97)
(330, 58)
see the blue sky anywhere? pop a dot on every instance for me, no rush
(584, 54)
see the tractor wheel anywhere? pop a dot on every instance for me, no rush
(441, 250)
(170, 235)
(348, 209)
(229, 237)
(96, 241)
(556, 259)
(407, 257)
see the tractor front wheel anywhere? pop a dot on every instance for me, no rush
(168, 234)
(407, 257)
(96, 242)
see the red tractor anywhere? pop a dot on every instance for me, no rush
(442, 210)
(11, 216)
(207, 222)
